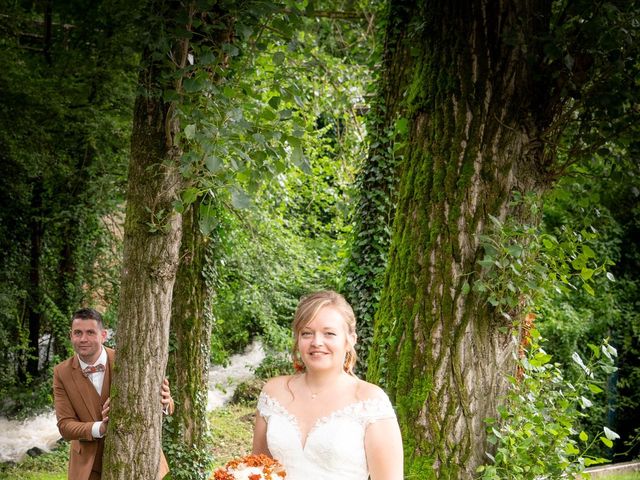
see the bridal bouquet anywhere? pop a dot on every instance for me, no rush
(251, 467)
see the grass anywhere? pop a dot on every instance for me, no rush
(231, 429)
(50, 466)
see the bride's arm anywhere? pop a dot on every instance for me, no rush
(260, 436)
(383, 446)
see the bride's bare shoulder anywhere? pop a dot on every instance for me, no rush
(276, 385)
(368, 391)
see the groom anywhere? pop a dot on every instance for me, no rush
(81, 387)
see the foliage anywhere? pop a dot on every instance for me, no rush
(602, 196)
(64, 169)
(520, 263)
(274, 365)
(247, 392)
(535, 434)
(285, 199)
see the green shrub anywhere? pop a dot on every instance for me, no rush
(536, 435)
(247, 392)
(274, 365)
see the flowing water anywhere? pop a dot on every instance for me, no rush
(16, 437)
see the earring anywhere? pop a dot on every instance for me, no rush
(348, 362)
(298, 366)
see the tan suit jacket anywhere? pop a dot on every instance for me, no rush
(78, 406)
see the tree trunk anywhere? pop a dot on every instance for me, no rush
(191, 336)
(150, 261)
(474, 123)
(34, 306)
(376, 184)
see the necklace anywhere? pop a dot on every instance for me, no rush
(313, 394)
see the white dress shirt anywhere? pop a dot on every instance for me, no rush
(97, 378)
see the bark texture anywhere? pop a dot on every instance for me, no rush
(476, 114)
(151, 255)
(377, 183)
(150, 262)
(191, 337)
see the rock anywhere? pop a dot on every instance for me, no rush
(35, 451)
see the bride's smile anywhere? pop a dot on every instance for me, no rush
(325, 340)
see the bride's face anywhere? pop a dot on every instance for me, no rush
(323, 342)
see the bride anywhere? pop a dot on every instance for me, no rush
(324, 423)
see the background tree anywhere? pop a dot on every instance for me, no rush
(65, 104)
(494, 89)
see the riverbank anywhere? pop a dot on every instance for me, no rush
(17, 437)
(231, 428)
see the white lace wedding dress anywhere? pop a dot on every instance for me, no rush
(334, 447)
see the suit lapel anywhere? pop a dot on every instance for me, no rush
(88, 392)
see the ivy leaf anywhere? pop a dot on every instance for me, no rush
(274, 102)
(278, 58)
(402, 126)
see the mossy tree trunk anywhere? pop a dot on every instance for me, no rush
(153, 232)
(191, 319)
(376, 185)
(475, 117)
(191, 336)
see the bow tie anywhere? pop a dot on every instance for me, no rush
(92, 369)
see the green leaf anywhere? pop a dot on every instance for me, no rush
(583, 436)
(402, 126)
(515, 250)
(190, 131)
(586, 273)
(274, 102)
(589, 289)
(239, 199)
(594, 388)
(278, 58)
(213, 163)
(606, 441)
(189, 196)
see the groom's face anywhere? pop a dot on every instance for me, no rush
(87, 337)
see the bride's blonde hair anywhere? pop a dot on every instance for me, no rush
(308, 308)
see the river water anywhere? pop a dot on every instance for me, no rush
(16, 437)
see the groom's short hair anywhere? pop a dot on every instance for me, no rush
(88, 314)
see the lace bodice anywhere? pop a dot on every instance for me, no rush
(334, 447)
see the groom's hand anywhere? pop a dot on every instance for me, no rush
(105, 416)
(165, 398)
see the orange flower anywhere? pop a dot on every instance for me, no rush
(251, 467)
